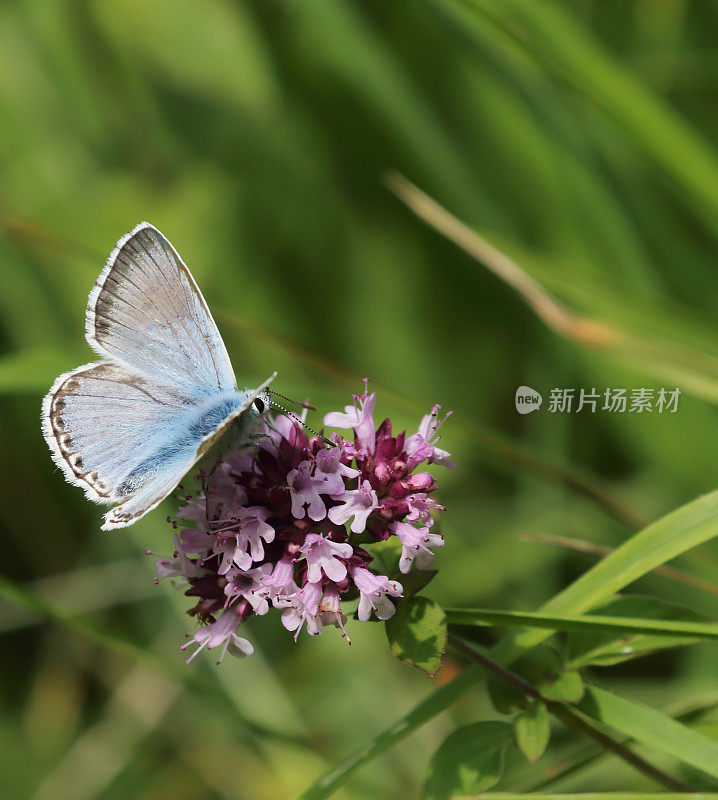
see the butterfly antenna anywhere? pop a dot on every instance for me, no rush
(301, 422)
(289, 400)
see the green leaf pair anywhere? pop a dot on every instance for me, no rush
(544, 669)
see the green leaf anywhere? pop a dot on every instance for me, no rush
(532, 730)
(652, 728)
(603, 648)
(470, 760)
(541, 664)
(568, 687)
(544, 668)
(417, 633)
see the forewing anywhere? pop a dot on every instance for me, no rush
(99, 419)
(147, 312)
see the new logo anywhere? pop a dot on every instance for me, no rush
(527, 400)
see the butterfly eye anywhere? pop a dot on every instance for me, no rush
(259, 405)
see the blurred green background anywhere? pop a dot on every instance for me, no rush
(577, 136)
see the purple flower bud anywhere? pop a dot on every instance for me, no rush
(421, 482)
(383, 473)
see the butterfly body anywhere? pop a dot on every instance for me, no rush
(163, 398)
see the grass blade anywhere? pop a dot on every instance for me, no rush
(583, 546)
(651, 727)
(524, 619)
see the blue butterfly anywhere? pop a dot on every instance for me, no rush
(128, 427)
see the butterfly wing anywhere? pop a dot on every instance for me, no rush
(98, 417)
(170, 473)
(147, 312)
(127, 439)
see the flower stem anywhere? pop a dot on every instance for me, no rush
(568, 715)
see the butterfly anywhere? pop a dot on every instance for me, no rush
(128, 427)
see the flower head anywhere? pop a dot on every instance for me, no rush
(289, 524)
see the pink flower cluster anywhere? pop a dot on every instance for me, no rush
(283, 524)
